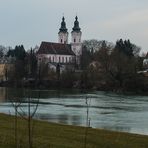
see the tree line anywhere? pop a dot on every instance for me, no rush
(24, 63)
(114, 66)
(104, 66)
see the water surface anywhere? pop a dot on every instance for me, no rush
(106, 110)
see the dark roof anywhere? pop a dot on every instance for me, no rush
(76, 27)
(63, 26)
(55, 48)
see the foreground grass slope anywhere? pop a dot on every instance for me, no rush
(49, 135)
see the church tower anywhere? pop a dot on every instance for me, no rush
(76, 40)
(63, 33)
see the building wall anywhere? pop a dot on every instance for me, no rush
(76, 45)
(63, 38)
(54, 58)
(76, 37)
(2, 72)
(5, 68)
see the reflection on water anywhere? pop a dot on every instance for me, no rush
(107, 110)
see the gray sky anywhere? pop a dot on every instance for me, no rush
(29, 22)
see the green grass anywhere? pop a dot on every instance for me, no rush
(50, 135)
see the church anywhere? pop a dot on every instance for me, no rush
(62, 54)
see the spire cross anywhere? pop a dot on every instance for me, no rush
(63, 17)
(76, 18)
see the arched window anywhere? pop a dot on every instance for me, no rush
(63, 59)
(53, 59)
(74, 40)
(61, 40)
(66, 59)
(69, 59)
(49, 59)
(59, 59)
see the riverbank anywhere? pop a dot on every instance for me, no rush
(61, 136)
(57, 85)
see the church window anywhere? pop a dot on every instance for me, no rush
(59, 59)
(66, 59)
(63, 59)
(69, 59)
(49, 59)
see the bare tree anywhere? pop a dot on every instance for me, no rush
(88, 101)
(16, 105)
(28, 116)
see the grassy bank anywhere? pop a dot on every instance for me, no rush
(49, 135)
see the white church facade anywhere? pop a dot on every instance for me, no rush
(62, 53)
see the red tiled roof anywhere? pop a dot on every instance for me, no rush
(55, 48)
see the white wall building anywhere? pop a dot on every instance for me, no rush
(76, 43)
(62, 53)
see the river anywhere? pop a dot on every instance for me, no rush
(126, 113)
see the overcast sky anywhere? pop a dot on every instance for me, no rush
(29, 22)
